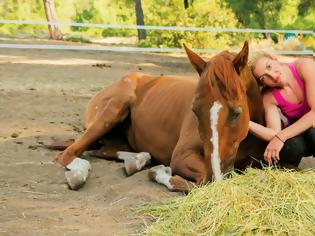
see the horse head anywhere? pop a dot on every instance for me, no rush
(221, 106)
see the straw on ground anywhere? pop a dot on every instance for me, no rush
(259, 202)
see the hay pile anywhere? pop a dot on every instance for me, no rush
(260, 202)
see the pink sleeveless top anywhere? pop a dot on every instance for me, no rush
(291, 110)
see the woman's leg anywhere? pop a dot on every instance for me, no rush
(293, 150)
(309, 136)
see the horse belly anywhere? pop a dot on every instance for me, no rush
(149, 133)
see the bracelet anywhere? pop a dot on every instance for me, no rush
(279, 138)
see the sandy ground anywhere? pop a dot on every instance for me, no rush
(43, 95)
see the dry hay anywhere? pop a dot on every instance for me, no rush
(259, 202)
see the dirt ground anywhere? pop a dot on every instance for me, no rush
(43, 95)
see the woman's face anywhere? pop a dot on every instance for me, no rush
(269, 72)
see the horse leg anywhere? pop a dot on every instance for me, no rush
(113, 112)
(64, 144)
(191, 167)
(163, 175)
(111, 143)
(134, 162)
(188, 173)
(60, 145)
(105, 110)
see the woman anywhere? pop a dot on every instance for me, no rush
(289, 87)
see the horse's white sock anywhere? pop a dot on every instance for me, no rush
(77, 172)
(163, 176)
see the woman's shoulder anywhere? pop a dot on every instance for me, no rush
(304, 66)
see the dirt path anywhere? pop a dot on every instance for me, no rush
(43, 95)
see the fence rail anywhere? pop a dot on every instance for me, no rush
(140, 49)
(134, 49)
(150, 27)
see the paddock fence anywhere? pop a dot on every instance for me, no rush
(147, 27)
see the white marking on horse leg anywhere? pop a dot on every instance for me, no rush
(215, 158)
(142, 159)
(77, 172)
(134, 161)
(162, 174)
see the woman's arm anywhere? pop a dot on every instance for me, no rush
(306, 70)
(272, 117)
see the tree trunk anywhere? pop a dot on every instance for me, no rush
(54, 31)
(140, 21)
(186, 4)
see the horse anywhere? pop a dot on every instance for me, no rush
(196, 129)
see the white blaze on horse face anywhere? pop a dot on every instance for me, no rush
(215, 158)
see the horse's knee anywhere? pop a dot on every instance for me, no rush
(191, 168)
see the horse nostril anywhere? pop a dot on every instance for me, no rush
(228, 171)
(228, 175)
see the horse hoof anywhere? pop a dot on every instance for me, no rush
(134, 161)
(75, 179)
(77, 172)
(158, 170)
(161, 174)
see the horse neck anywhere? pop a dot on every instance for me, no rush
(254, 101)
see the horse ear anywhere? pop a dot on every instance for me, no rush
(240, 60)
(198, 63)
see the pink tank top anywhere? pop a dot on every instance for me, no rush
(291, 110)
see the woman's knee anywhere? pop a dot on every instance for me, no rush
(309, 136)
(293, 150)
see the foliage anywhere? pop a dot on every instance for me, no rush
(199, 14)
(83, 17)
(282, 14)
(77, 40)
(257, 14)
(22, 10)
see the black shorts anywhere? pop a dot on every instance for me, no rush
(302, 145)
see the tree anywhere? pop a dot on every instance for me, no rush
(186, 3)
(256, 13)
(304, 6)
(140, 20)
(54, 31)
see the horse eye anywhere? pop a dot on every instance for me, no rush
(235, 113)
(194, 109)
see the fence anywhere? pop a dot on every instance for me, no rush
(138, 49)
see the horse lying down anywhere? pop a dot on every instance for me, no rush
(192, 127)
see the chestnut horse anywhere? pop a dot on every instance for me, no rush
(193, 127)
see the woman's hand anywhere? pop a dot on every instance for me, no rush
(273, 150)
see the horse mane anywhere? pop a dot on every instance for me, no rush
(222, 67)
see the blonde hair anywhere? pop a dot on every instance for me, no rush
(255, 56)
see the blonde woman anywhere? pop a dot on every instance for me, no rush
(290, 88)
